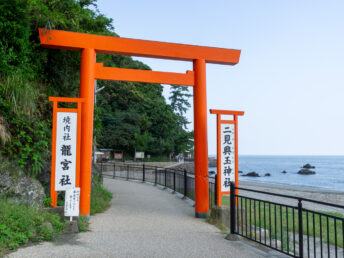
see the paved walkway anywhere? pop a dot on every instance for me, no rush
(145, 221)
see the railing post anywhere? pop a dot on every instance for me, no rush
(144, 172)
(299, 206)
(215, 190)
(165, 178)
(156, 176)
(232, 205)
(174, 181)
(128, 172)
(185, 183)
(114, 171)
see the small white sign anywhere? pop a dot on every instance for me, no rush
(139, 155)
(227, 156)
(72, 199)
(65, 166)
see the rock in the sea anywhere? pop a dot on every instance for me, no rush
(240, 172)
(267, 174)
(253, 174)
(308, 166)
(21, 188)
(306, 171)
(284, 172)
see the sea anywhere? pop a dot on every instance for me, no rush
(329, 170)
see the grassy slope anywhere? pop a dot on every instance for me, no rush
(20, 224)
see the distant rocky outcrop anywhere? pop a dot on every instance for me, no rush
(252, 174)
(306, 171)
(308, 166)
(240, 172)
(284, 172)
(15, 185)
(267, 174)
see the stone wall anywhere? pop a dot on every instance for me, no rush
(15, 185)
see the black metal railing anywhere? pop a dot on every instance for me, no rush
(178, 180)
(286, 227)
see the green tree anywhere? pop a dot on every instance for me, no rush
(180, 103)
(128, 115)
(30, 73)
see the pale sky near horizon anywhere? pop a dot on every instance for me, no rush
(290, 78)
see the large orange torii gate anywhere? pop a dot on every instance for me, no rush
(90, 44)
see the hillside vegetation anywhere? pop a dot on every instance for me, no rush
(128, 115)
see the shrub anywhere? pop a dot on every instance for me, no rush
(20, 224)
(47, 201)
(83, 224)
(100, 198)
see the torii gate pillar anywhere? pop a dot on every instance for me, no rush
(201, 140)
(87, 75)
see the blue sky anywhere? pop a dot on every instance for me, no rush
(290, 79)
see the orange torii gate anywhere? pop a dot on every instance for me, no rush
(90, 44)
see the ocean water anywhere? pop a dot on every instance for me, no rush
(329, 170)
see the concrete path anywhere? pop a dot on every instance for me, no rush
(145, 221)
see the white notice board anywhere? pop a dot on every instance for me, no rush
(139, 155)
(227, 156)
(72, 198)
(65, 166)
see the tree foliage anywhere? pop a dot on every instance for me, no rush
(128, 115)
(180, 103)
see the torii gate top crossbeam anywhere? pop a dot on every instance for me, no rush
(136, 47)
(226, 112)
